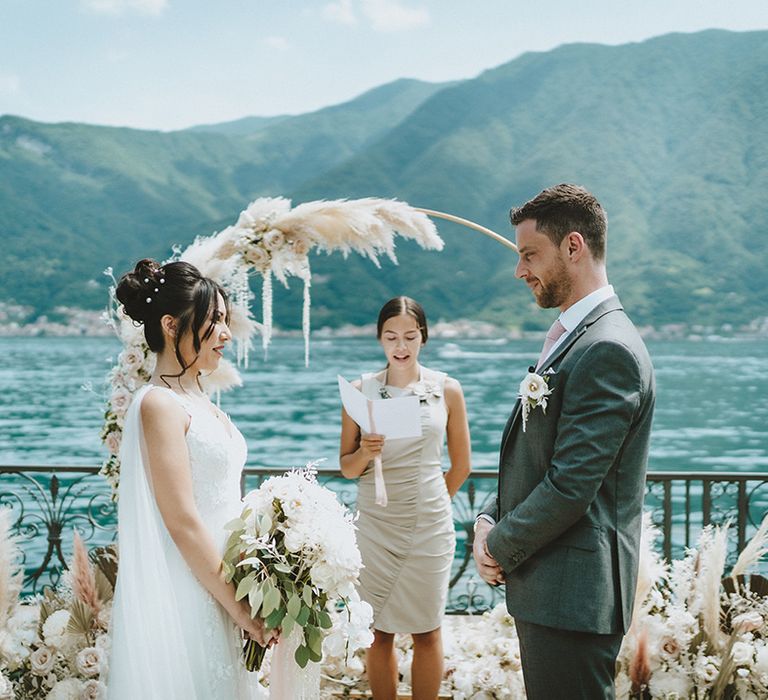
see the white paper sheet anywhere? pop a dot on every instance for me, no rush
(392, 418)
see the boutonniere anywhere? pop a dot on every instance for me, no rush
(426, 392)
(534, 390)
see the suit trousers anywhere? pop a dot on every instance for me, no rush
(565, 665)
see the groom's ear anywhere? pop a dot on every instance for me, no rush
(574, 246)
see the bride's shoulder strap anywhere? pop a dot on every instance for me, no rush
(180, 400)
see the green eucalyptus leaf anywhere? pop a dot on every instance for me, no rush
(324, 620)
(314, 639)
(244, 587)
(255, 599)
(274, 619)
(303, 617)
(302, 656)
(235, 524)
(306, 596)
(287, 627)
(294, 606)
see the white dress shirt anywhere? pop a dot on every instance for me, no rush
(574, 315)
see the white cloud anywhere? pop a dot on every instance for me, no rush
(393, 16)
(119, 7)
(340, 11)
(9, 84)
(280, 43)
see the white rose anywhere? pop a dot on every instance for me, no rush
(112, 442)
(335, 643)
(120, 400)
(274, 240)
(258, 257)
(761, 659)
(88, 662)
(94, 690)
(748, 622)
(42, 660)
(534, 388)
(131, 359)
(669, 685)
(706, 669)
(55, 628)
(68, 689)
(6, 688)
(742, 653)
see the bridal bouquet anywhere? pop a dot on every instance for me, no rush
(294, 554)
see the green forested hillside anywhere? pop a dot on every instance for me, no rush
(670, 134)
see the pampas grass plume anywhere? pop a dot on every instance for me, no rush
(10, 575)
(83, 579)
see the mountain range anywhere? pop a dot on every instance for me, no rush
(670, 134)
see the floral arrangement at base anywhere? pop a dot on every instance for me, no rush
(694, 633)
(56, 646)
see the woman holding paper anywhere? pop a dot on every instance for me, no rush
(406, 534)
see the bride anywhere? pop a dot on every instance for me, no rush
(176, 626)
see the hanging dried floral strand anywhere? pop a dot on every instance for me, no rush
(266, 306)
(305, 319)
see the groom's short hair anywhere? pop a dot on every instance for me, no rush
(564, 208)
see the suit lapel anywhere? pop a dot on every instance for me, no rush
(611, 304)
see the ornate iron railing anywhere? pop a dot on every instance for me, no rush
(47, 503)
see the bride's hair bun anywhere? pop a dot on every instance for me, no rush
(138, 291)
(177, 289)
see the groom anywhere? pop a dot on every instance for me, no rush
(564, 531)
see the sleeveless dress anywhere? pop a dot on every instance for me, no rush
(171, 640)
(408, 546)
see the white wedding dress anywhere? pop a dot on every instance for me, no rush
(170, 639)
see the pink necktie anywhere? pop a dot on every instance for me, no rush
(556, 330)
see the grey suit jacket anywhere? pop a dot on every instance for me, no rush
(570, 494)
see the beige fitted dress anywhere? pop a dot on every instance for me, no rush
(408, 546)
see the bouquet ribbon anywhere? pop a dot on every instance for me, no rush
(380, 487)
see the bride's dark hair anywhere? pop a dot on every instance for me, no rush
(177, 289)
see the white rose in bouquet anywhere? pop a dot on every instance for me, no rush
(42, 660)
(93, 690)
(88, 662)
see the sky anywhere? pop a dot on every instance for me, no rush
(170, 64)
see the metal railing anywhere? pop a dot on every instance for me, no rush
(47, 503)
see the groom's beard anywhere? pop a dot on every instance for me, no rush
(554, 292)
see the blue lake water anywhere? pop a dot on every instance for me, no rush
(712, 405)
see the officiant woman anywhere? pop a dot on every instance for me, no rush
(406, 533)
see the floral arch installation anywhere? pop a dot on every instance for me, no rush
(271, 239)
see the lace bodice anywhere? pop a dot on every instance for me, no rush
(217, 454)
